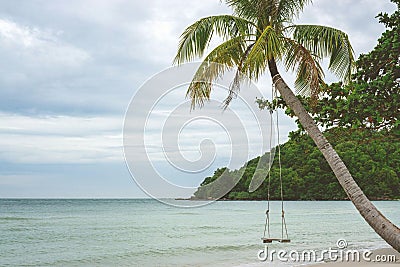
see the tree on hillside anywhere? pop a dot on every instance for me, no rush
(261, 33)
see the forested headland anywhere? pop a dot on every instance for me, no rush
(372, 157)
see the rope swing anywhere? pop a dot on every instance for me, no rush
(267, 230)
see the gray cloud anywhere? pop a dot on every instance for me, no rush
(88, 57)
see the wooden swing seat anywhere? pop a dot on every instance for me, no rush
(270, 240)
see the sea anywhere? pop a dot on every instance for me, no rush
(145, 232)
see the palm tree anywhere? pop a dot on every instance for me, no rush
(260, 34)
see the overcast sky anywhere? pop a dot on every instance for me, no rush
(68, 70)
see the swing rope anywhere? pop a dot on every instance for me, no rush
(284, 231)
(267, 223)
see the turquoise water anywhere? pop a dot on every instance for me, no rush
(148, 233)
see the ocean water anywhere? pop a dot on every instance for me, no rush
(149, 233)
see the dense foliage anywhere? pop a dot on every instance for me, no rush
(372, 99)
(372, 157)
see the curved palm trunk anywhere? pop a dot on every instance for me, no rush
(382, 226)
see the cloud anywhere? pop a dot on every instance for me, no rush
(43, 47)
(18, 179)
(60, 139)
(93, 180)
(89, 57)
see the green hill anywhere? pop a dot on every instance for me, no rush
(372, 157)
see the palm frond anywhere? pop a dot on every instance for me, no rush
(196, 38)
(268, 46)
(309, 74)
(224, 57)
(328, 42)
(249, 9)
(234, 88)
(268, 12)
(243, 8)
(290, 9)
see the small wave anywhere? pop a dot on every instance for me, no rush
(15, 218)
(221, 248)
(186, 213)
(18, 229)
(210, 227)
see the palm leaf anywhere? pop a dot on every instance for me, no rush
(224, 57)
(234, 88)
(243, 8)
(254, 10)
(268, 46)
(289, 9)
(268, 12)
(196, 38)
(309, 72)
(328, 42)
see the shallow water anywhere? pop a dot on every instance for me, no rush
(148, 233)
